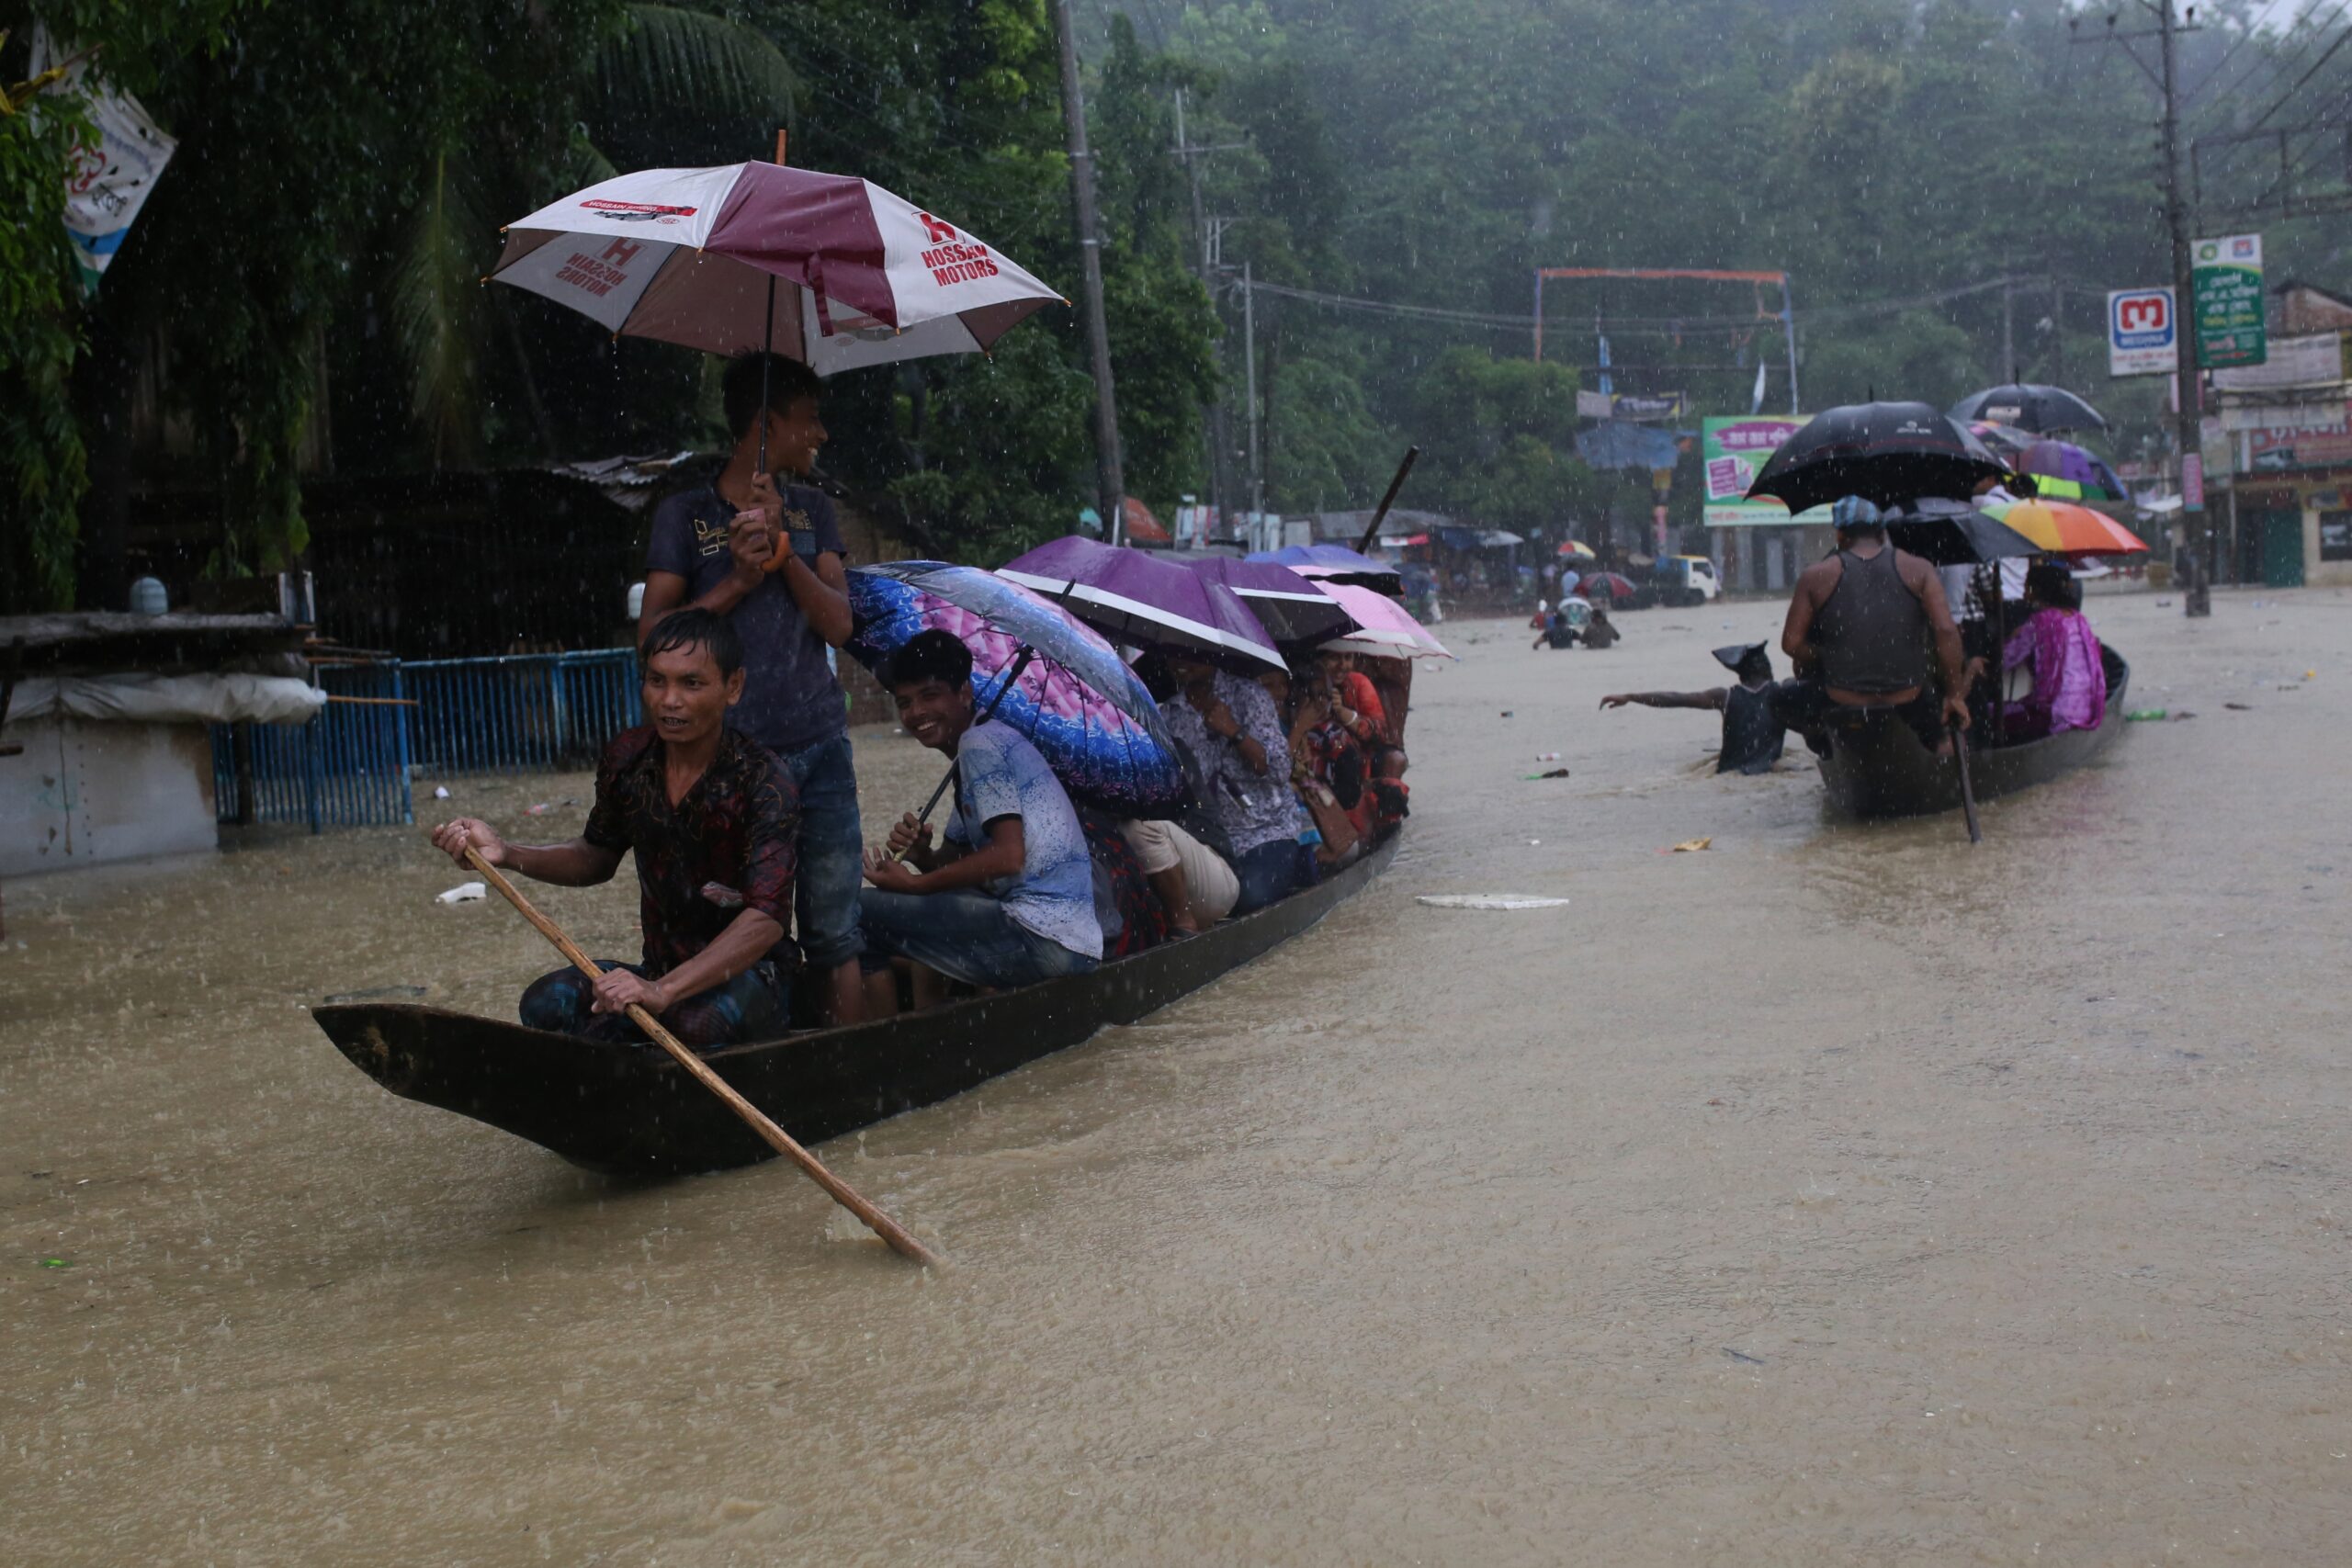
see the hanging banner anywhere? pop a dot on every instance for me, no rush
(2141, 336)
(1635, 406)
(107, 183)
(1731, 453)
(2226, 279)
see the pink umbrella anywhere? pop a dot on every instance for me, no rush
(696, 256)
(1386, 631)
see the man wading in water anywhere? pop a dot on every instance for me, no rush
(1858, 631)
(1752, 728)
(713, 820)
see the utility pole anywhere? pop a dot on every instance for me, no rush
(2195, 598)
(1110, 480)
(1220, 440)
(1249, 407)
(2008, 334)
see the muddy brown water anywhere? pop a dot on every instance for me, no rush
(1835, 1194)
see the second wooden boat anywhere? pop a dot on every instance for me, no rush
(1876, 766)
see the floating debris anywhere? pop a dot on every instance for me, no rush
(1489, 901)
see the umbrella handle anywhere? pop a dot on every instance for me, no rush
(1021, 660)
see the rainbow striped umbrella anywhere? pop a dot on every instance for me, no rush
(2063, 528)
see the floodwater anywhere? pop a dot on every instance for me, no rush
(1835, 1194)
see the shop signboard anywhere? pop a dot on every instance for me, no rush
(2142, 334)
(1731, 452)
(2225, 276)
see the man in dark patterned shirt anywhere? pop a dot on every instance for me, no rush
(713, 818)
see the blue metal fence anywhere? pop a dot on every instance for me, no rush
(351, 766)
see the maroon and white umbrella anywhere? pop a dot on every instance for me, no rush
(830, 269)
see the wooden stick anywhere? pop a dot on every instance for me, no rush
(1380, 513)
(1967, 787)
(378, 702)
(880, 1224)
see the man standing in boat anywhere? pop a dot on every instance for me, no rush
(1858, 630)
(713, 819)
(770, 561)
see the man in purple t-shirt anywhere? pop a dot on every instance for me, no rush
(770, 561)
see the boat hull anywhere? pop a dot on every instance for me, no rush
(629, 1110)
(1876, 766)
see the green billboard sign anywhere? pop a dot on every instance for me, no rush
(2226, 278)
(1731, 453)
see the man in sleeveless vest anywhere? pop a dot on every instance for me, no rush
(1861, 629)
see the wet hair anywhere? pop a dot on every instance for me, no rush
(1159, 676)
(2049, 582)
(933, 655)
(1755, 665)
(694, 629)
(738, 389)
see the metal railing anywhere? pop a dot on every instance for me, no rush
(352, 765)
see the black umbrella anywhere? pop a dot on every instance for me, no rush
(2030, 407)
(1887, 453)
(1951, 532)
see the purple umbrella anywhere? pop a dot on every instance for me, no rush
(1291, 608)
(1132, 597)
(1336, 562)
(2064, 471)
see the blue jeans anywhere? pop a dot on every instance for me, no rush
(1272, 870)
(749, 1007)
(825, 887)
(965, 936)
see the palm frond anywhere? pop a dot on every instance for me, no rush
(437, 308)
(671, 55)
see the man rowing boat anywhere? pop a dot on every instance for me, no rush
(1858, 629)
(713, 819)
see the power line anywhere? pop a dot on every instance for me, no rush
(2282, 101)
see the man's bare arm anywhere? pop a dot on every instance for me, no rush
(822, 589)
(1796, 632)
(1924, 582)
(576, 863)
(1713, 698)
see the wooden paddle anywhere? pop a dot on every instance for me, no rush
(1380, 513)
(880, 1224)
(1967, 787)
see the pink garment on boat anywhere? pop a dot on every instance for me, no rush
(2069, 681)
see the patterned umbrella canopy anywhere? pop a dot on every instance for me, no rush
(1077, 702)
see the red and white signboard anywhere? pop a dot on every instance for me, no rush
(2143, 332)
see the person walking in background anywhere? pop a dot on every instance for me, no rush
(769, 558)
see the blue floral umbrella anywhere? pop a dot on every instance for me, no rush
(1075, 700)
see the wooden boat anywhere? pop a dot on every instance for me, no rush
(1876, 766)
(629, 1110)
